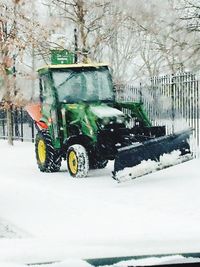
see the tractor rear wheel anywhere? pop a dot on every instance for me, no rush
(77, 161)
(48, 159)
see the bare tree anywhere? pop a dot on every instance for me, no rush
(162, 36)
(18, 34)
(91, 20)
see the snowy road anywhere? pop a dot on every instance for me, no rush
(54, 214)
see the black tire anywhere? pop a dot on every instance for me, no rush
(49, 160)
(98, 164)
(77, 161)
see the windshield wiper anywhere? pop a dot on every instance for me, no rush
(72, 74)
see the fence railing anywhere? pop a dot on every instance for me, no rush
(22, 125)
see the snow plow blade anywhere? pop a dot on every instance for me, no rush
(152, 155)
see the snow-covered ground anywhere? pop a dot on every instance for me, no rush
(53, 217)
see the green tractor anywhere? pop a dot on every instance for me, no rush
(79, 120)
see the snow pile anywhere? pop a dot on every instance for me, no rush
(146, 166)
(105, 111)
(150, 166)
(171, 159)
(176, 259)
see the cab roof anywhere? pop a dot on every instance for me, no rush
(71, 66)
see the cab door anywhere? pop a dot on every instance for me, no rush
(49, 109)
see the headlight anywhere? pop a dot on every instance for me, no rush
(105, 120)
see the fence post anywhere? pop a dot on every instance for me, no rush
(32, 131)
(10, 124)
(156, 86)
(16, 123)
(141, 93)
(3, 124)
(198, 116)
(172, 99)
(21, 120)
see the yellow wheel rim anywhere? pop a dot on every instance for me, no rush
(73, 162)
(42, 151)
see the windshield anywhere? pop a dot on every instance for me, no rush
(93, 84)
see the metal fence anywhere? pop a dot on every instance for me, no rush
(22, 125)
(171, 100)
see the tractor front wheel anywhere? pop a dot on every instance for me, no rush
(47, 158)
(77, 161)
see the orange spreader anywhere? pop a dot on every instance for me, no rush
(34, 110)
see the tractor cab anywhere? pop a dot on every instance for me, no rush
(74, 83)
(86, 83)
